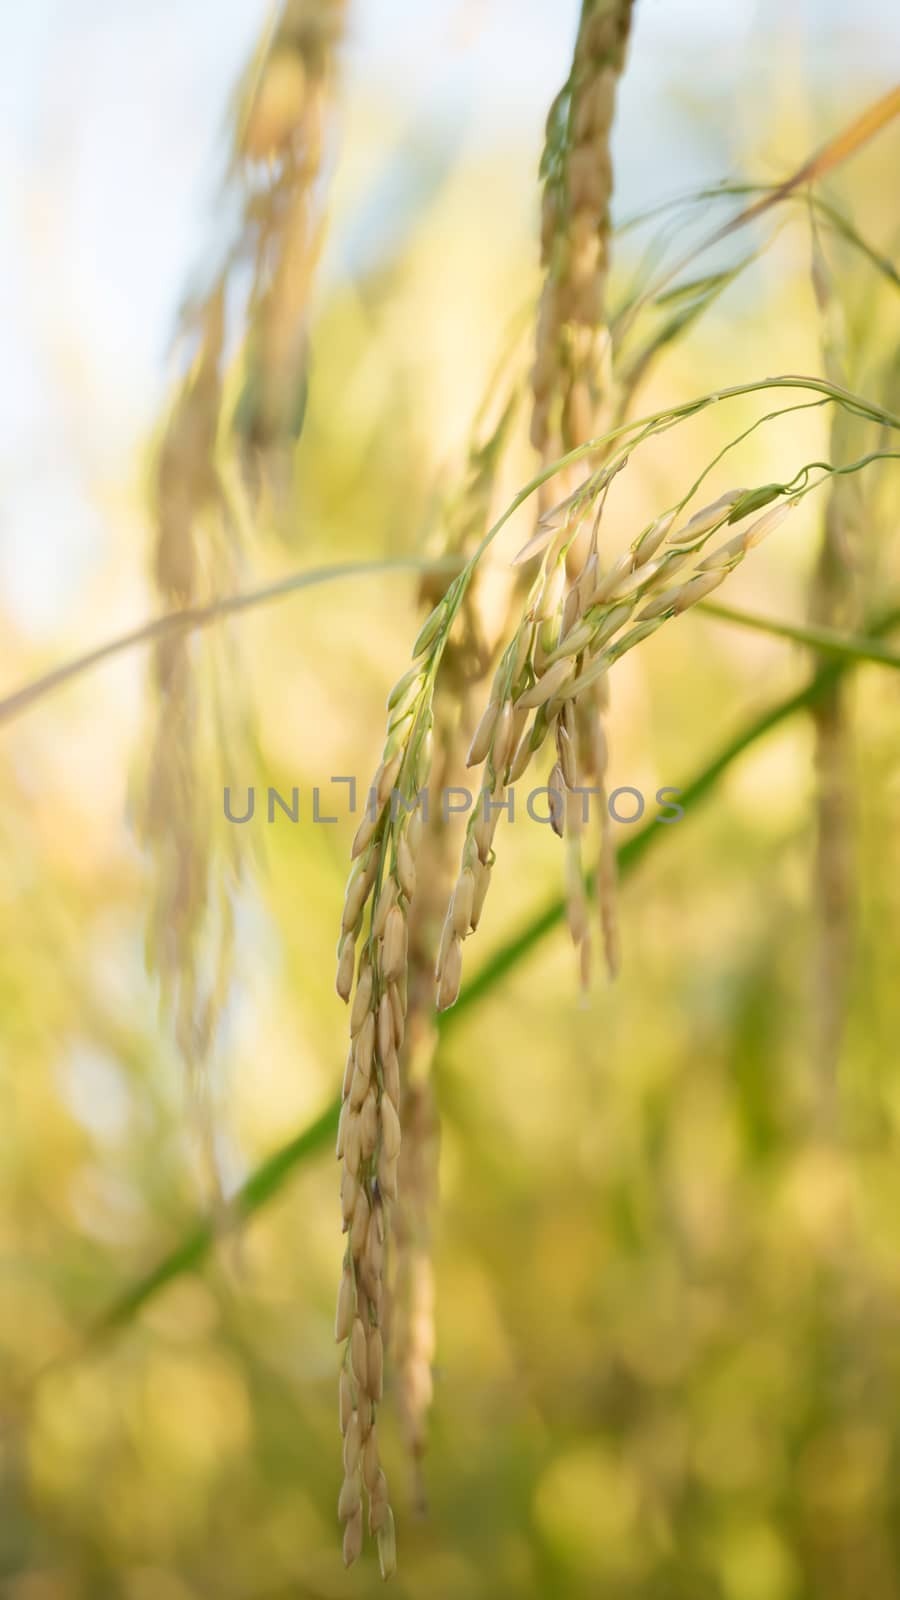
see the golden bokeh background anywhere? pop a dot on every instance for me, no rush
(668, 1274)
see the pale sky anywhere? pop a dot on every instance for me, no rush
(110, 117)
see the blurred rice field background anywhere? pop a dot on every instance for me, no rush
(667, 1245)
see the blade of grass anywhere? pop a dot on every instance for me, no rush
(268, 1178)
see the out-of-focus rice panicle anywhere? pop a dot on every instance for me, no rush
(278, 163)
(189, 937)
(834, 603)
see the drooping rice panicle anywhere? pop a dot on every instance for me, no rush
(557, 651)
(404, 862)
(190, 928)
(466, 659)
(570, 377)
(413, 1330)
(278, 160)
(372, 973)
(554, 657)
(572, 388)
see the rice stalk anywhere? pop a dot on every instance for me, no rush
(557, 651)
(561, 649)
(466, 661)
(572, 390)
(570, 377)
(369, 1139)
(278, 158)
(406, 868)
(552, 638)
(833, 604)
(189, 939)
(198, 539)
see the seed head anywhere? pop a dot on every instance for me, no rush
(707, 518)
(353, 1533)
(386, 1540)
(386, 777)
(359, 1225)
(462, 902)
(352, 1141)
(385, 1026)
(366, 830)
(379, 1510)
(606, 585)
(352, 1446)
(398, 1005)
(651, 538)
(502, 738)
(346, 963)
(481, 739)
(547, 686)
(390, 1071)
(557, 801)
(386, 899)
(450, 976)
(696, 588)
(368, 1124)
(390, 1129)
(349, 1498)
(371, 1461)
(482, 884)
(349, 1193)
(364, 1047)
(345, 1400)
(406, 868)
(387, 1176)
(358, 1352)
(393, 949)
(375, 1364)
(361, 1000)
(346, 1305)
(766, 524)
(358, 886)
